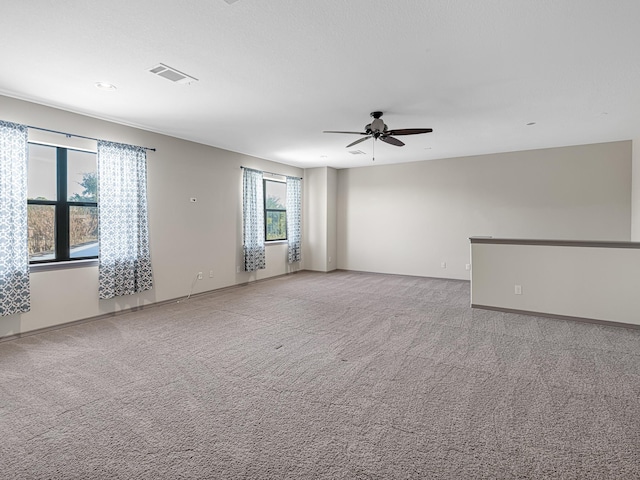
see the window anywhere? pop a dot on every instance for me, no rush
(62, 204)
(275, 210)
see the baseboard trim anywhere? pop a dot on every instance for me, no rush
(398, 275)
(73, 323)
(607, 323)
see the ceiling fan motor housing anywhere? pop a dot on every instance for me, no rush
(377, 127)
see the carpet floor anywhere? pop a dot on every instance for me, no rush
(323, 376)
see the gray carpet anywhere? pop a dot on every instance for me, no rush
(333, 376)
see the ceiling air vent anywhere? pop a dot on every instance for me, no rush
(356, 152)
(172, 74)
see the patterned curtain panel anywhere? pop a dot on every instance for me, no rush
(253, 220)
(14, 256)
(294, 206)
(124, 260)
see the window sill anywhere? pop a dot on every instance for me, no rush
(274, 242)
(45, 267)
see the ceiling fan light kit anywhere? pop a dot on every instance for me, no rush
(377, 129)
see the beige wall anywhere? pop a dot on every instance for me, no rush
(332, 219)
(315, 219)
(319, 232)
(411, 218)
(185, 237)
(585, 282)
(635, 199)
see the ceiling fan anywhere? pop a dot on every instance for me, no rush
(378, 130)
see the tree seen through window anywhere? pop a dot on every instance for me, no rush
(275, 217)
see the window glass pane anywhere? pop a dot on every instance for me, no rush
(82, 184)
(276, 225)
(42, 243)
(276, 195)
(42, 173)
(83, 231)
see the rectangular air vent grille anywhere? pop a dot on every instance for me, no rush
(356, 152)
(172, 74)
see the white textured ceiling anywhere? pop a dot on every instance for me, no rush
(274, 74)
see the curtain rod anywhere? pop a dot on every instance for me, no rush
(270, 173)
(77, 136)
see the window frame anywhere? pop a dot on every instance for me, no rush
(267, 210)
(62, 208)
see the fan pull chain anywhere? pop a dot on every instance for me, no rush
(374, 150)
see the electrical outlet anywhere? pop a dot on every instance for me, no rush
(199, 275)
(443, 265)
(210, 273)
(237, 268)
(518, 289)
(467, 266)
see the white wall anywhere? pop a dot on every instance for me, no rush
(185, 237)
(319, 232)
(584, 282)
(409, 218)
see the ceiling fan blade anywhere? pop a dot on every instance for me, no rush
(410, 131)
(391, 141)
(358, 141)
(354, 133)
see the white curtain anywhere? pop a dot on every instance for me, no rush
(124, 260)
(294, 194)
(253, 220)
(14, 255)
